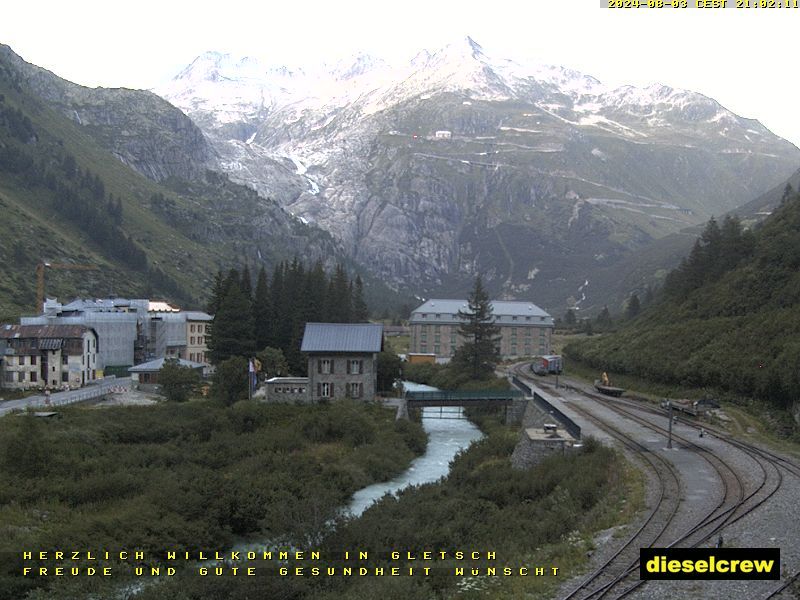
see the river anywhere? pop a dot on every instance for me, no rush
(445, 438)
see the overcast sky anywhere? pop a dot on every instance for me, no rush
(745, 59)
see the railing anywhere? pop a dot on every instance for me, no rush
(455, 396)
(571, 426)
(94, 390)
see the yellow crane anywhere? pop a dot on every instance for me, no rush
(40, 278)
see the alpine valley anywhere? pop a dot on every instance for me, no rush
(457, 163)
(424, 173)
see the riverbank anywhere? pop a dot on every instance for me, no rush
(184, 477)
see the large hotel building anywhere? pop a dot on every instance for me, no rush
(525, 329)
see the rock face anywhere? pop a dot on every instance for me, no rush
(138, 127)
(457, 163)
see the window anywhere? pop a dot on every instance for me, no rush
(325, 365)
(527, 318)
(356, 390)
(452, 338)
(64, 377)
(355, 366)
(452, 348)
(325, 389)
(200, 340)
(438, 316)
(33, 362)
(436, 349)
(514, 318)
(437, 328)
(541, 318)
(424, 315)
(9, 377)
(191, 328)
(21, 361)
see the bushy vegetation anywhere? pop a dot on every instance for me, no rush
(449, 377)
(727, 318)
(186, 476)
(536, 516)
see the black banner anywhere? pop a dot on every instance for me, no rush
(710, 563)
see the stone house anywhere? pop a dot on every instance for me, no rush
(342, 359)
(55, 356)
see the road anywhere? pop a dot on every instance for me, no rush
(96, 390)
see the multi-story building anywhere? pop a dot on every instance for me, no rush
(132, 331)
(54, 356)
(525, 329)
(342, 359)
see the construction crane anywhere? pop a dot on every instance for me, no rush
(40, 278)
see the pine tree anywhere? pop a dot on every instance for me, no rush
(232, 328)
(604, 318)
(217, 291)
(479, 353)
(360, 311)
(261, 311)
(569, 318)
(633, 307)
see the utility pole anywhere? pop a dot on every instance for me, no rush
(669, 440)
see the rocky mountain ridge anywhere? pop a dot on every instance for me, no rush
(457, 162)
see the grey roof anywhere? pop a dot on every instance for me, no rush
(157, 364)
(500, 308)
(342, 337)
(43, 331)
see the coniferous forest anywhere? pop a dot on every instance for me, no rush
(273, 311)
(726, 318)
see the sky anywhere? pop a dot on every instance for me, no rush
(743, 58)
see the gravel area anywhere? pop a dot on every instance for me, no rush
(774, 523)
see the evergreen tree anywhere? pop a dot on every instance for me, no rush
(360, 312)
(261, 311)
(247, 283)
(479, 354)
(217, 292)
(569, 318)
(633, 306)
(339, 309)
(603, 319)
(232, 329)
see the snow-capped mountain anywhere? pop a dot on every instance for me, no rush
(456, 161)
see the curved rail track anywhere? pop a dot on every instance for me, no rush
(615, 577)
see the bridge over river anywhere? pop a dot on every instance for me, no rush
(458, 398)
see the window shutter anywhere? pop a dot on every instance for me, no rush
(319, 366)
(319, 389)
(361, 366)
(332, 363)
(347, 362)
(360, 390)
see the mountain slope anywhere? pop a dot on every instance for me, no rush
(540, 176)
(728, 317)
(67, 199)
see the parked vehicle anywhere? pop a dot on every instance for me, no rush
(603, 385)
(551, 363)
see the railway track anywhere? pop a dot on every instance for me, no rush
(617, 577)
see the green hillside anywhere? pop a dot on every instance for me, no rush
(727, 318)
(66, 199)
